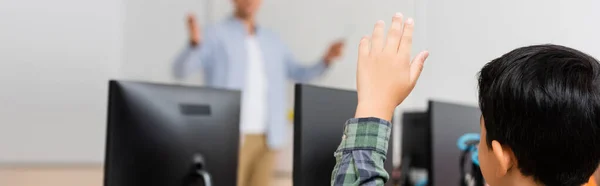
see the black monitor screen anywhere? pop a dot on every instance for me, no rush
(416, 141)
(157, 134)
(449, 122)
(320, 115)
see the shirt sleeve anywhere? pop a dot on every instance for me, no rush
(362, 152)
(303, 73)
(191, 59)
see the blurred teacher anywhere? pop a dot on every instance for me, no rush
(239, 54)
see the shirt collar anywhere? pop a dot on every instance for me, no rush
(238, 23)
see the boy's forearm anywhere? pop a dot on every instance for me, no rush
(385, 77)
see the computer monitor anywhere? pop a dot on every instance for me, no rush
(319, 118)
(429, 140)
(171, 135)
(448, 123)
(416, 140)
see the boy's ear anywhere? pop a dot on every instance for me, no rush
(504, 157)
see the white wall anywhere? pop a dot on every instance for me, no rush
(155, 31)
(463, 35)
(310, 26)
(55, 60)
(57, 55)
(155, 34)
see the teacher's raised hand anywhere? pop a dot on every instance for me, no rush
(385, 73)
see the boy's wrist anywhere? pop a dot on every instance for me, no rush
(377, 110)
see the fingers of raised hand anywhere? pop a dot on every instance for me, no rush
(394, 35)
(364, 48)
(406, 41)
(377, 38)
(398, 41)
(399, 38)
(416, 66)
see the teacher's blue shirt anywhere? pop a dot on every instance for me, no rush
(222, 56)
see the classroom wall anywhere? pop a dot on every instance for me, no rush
(463, 35)
(309, 33)
(308, 27)
(58, 55)
(154, 32)
(55, 60)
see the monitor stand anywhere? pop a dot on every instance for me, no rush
(198, 175)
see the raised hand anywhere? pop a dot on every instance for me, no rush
(385, 73)
(193, 29)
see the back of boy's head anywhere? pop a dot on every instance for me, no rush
(543, 102)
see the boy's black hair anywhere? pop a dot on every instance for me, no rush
(543, 102)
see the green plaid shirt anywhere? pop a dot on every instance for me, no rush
(360, 156)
